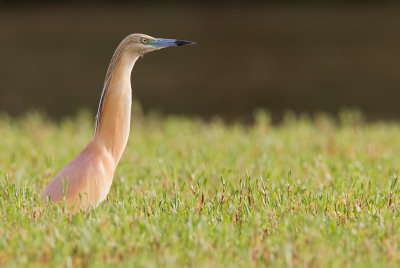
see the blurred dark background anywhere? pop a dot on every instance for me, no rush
(303, 56)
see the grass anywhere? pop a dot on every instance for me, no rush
(308, 192)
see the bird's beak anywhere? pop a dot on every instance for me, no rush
(161, 42)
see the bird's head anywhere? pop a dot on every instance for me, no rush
(142, 43)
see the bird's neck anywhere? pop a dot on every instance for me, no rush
(114, 114)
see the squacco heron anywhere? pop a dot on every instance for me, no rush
(86, 180)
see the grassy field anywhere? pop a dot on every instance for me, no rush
(308, 192)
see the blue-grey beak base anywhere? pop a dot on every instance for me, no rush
(161, 42)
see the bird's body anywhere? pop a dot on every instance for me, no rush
(86, 180)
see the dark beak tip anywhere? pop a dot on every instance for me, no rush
(183, 42)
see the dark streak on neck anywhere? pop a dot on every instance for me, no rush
(114, 61)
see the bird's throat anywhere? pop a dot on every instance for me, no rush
(112, 129)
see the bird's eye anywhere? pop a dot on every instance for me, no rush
(144, 41)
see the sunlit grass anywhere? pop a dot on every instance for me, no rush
(308, 192)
